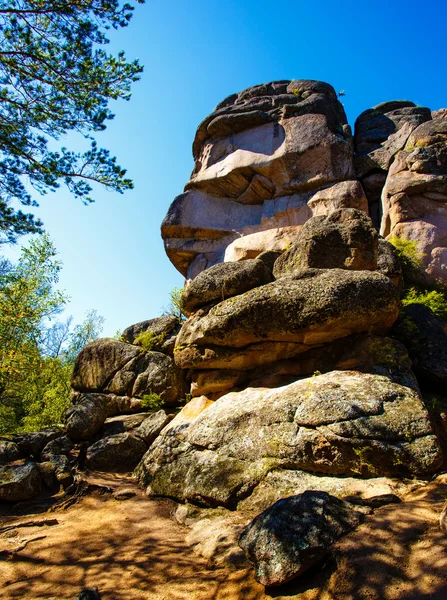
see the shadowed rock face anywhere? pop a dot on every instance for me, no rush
(260, 159)
(380, 132)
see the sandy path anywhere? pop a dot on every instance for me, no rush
(133, 550)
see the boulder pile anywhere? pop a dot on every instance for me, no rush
(295, 358)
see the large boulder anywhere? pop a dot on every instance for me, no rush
(123, 370)
(260, 158)
(122, 451)
(163, 330)
(344, 239)
(60, 446)
(414, 198)
(287, 317)
(224, 281)
(85, 416)
(295, 533)
(338, 423)
(152, 425)
(19, 482)
(380, 132)
(282, 483)
(9, 452)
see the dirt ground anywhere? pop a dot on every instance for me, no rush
(134, 550)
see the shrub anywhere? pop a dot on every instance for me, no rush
(408, 252)
(435, 300)
(152, 402)
(148, 340)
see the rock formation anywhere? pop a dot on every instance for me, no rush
(265, 159)
(295, 353)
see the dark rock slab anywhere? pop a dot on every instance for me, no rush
(296, 533)
(60, 446)
(120, 452)
(86, 416)
(19, 482)
(424, 335)
(152, 425)
(9, 452)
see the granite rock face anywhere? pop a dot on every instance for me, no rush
(415, 196)
(344, 239)
(113, 367)
(380, 132)
(286, 318)
(338, 423)
(224, 281)
(261, 158)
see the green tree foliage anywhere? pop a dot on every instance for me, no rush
(56, 77)
(174, 307)
(408, 252)
(36, 357)
(434, 299)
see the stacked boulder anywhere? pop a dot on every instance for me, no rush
(255, 334)
(266, 160)
(107, 425)
(114, 382)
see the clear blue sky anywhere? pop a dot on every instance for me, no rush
(195, 53)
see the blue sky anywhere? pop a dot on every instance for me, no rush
(195, 54)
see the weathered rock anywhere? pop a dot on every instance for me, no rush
(9, 452)
(296, 533)
(85, 416)
(60, 446)
(48, 475)
(424, 335)
(441, 113)
(162, 328)
(32, 444)
(99, 361)
(380, 132)
(388, 263)
(157, 373)
(345, 239)
(224, 281)
(287, 317)
(214, 380)
(339, 423)
(216, 536)
(254, 244)
(152, 425)
(259, 160)
(123, 370)
(121, 424)
(91, 593)
(282, 483)
(119, 452)
(19, 482)
(62, 469)
(414, 198)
